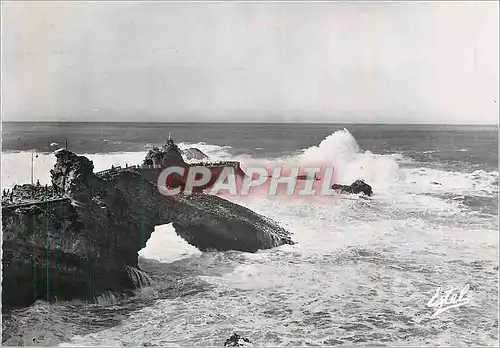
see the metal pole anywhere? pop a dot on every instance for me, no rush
(32, 168)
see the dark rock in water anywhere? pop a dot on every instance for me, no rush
(85, 241)
(194, 154)
(304, 177)
(359, 186)
(237, 341)
(436, 183)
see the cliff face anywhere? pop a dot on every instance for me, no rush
(81, 246)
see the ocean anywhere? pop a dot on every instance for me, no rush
(362, 271)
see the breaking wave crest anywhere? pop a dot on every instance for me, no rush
(341, 150)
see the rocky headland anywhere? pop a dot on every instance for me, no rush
(80, 236)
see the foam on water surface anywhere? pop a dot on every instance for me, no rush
(361, 272)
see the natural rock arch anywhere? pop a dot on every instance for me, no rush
(97, 231)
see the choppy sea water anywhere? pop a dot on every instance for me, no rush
(362, 270)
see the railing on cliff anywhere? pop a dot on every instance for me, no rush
(7, 206)
(122, 169)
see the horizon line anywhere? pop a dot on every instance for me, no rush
(246, 122)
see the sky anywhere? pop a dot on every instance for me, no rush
(366, 62)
